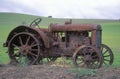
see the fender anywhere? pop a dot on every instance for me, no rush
(30, 30)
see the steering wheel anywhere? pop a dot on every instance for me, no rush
(35, 22)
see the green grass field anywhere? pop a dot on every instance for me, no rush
(111, 37)
(110, 31)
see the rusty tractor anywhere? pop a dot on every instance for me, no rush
(81, 42)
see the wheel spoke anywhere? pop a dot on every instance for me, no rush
(17, 54)
(106, 60)
(106, 55)
(105, 52)
(34, 45)
(91, 53)
(15, 45)
(32, 54)
(84, 52)
(20, 39)
(27, 40)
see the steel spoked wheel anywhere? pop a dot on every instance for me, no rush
(24, 48)
(88, 56)
(107, 55)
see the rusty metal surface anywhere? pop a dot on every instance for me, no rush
(74, 27)
(44, 37)
(35, 31)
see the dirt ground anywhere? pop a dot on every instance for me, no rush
(53, 72)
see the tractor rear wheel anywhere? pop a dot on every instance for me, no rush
(24, 48)
(87, 56)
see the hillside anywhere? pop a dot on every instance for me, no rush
(9, 19)
(15, 19)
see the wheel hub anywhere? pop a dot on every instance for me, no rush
(25, 49)
(87, 58)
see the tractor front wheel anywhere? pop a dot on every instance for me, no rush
(88, 56)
